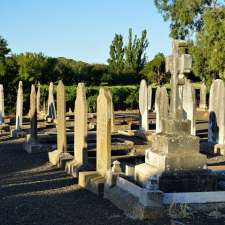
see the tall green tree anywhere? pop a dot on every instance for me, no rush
(135, 52)
(116, 60)
(209, 49)
(185, 16)
(4, 50)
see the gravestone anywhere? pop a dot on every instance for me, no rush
(38, 98)
(60, 156)
(149, 97)
(80, 161)
(33, 114)
(2, 107)
(112, 111)
(189, 104)
(162, 106)
(216, 122)
(51, 113)
(143, 105)
(94, 180)
(19, 107)
(203, 92)
(174, 149)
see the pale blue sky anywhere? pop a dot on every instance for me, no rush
(80, 29)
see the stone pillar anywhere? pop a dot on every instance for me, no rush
(143, 105)
(203, 91)
(189, 105)
(38, 97)
(162, 107)
(112, 110)
(51, 103)
(149, 97)
(33, 114)
(216, 126)
(104, 116)
(80, 125)
(61, 118)
(19, 107)
(2, 106)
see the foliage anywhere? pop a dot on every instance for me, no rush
(154, 70)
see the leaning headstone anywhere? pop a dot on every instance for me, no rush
(94, 180)
(143, 105)
(162, 107)
(189, 105)
(51, 114)
(203, 92)
(2, 110)
(216, 126)
(149, 97)
(38, 98)
(80, 161)
(60, 156)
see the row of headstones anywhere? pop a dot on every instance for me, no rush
(162, 104)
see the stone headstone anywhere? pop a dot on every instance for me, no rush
(51, 103)
(189, 104)
(149, 97)
(80, 125)
(104, 116)
(38, 97)
(143, 105)
(203, 92)
(216, 126)
(112, 110)
(2, 106)
(19, 107)
(33, 114)
(162, 107)
(61, 118)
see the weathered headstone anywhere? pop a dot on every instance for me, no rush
(143, 105)
(19, 107)
(38, 97)
(33, 114)
(216, 127)
(203, 92)
(149, 97)
(189, 104)
(60, 156)
(2, 107)
(162, 107)
(112, 111)
(80, 161)
(51, 103)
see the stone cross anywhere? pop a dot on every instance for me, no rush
(38, 97)
(104, 116)
(216, 126)
(51, 103)
(149, 97)
(33, 114)
(143, 105)
(61, 118)
(178, 64)
(189, 105)
(19, 107)
(80, 125)
(203, 91)
(2, 106)
(161, 107)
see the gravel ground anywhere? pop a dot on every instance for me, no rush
(34, 192)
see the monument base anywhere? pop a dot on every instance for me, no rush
(92, 181)
(73, 168)
(18, 133)
(58, 158)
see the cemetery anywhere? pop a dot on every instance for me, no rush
(146, 150)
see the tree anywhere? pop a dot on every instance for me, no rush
(154, 70)
(135, 56)
(186, 16)
(209, 49)
(116, 60)
(4, 50)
